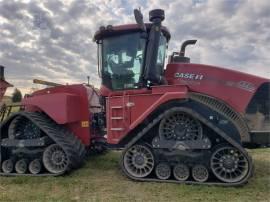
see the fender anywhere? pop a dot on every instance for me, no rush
(224, 132)
(166, 97)
(197, 110)
(136, 108)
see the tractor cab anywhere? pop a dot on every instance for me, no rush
(132, 56)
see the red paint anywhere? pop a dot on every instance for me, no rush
(224, 84)
(59, 106)
(220, 83)
(67, 105)
(134, 107)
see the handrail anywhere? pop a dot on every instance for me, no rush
(6, 110)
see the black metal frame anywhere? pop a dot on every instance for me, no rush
(6, 111)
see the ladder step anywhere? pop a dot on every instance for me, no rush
(116, 107)
(117, 129)
(117, 118)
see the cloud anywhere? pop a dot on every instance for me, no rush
(52, 40)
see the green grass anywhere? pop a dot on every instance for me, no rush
(101, 180)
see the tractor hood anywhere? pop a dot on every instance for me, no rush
(233, 87)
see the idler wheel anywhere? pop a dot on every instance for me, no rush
(21, 166)
(229, 164)
(200, 173)
(138, 161)
(181, 172)
(55, 159)
(7, 166)
(35, 166)
(163, 171)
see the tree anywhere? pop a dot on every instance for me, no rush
(16, 96)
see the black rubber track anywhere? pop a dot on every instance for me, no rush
(207, 123)
(71, 145)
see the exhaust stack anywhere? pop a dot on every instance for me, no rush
(179, 57)
(185, 44)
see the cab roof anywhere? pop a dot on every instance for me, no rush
(122, 29)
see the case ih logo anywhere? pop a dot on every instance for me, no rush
(189, 76)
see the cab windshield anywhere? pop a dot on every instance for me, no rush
(122, 60)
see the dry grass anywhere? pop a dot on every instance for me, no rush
(101, 180)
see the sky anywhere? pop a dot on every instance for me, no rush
(52, 39)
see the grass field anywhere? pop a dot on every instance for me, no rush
(101, 180)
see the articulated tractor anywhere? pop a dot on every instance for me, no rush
(183, 123)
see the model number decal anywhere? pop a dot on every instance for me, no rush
(189, 76)
(246, 86)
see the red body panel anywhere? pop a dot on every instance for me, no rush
(57, 106)
(233, 87)
(3, 87)
(126, 111)
(67, 105)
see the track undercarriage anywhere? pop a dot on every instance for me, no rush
(180, 145)
(33, 144)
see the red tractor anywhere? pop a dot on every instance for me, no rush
(186, 123)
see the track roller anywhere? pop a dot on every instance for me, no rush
(200, 173)
(163, 171)
(181, 172)
(21, 166)
(35, 166)
(7, 166)
(50, 149)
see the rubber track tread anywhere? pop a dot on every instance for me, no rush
(71, 145)
(226, 111)
(206, 122)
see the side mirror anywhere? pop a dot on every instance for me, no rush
(139, 19)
